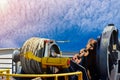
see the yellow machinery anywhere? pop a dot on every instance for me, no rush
(40, 58)
(39, 54)
(49, 61)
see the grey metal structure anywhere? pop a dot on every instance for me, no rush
(107, 54)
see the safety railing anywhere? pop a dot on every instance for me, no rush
(7, 71)
(8, 75)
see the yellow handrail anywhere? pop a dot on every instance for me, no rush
(7, 71)
(7, 74)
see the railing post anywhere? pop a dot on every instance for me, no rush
(1, 73)
(66, 77)
(7, 76)
(56, 77)
(80, 76)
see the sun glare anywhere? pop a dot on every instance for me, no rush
(3, 4)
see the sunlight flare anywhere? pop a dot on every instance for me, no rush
(3, 4)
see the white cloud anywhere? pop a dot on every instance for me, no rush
(51, 18)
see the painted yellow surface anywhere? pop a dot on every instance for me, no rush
(49, 61)
(8, 75)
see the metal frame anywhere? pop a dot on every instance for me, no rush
(103, 53)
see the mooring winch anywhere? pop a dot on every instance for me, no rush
(39, 53)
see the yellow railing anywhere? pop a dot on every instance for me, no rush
(6, 71)
(7, 74)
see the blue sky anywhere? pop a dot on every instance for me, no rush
(73, 20)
